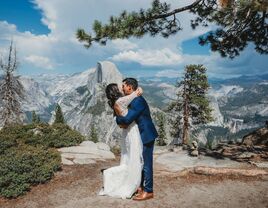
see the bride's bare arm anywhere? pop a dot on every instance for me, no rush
(119, 112)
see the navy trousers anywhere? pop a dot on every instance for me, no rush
(147, 172)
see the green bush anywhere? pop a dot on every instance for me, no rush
(57, 135)
(17, 131)
(6, 142)
(22, 166)
(64, 137)
(28, 155)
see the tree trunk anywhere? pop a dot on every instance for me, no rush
(185, 133)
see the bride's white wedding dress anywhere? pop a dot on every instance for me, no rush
(122, 181)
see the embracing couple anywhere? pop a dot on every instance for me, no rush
(134, 176)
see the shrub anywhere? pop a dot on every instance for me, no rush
(62, 136)
(28, 155)
(116, 150)
(6, 142)
(56, 135)
(93, 136)
(25, 165)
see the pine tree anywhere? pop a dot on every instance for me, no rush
(175, 119)
(161, 120)
(34, 117)
(192, 105)
(59, 115)
(93, 134)
(38, 120)
(11, 90)
(239, 23)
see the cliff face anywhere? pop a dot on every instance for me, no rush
(35, 98)
(81, 97)
(83, 101)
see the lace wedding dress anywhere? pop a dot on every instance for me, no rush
(123, 180)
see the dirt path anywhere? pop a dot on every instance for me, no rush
(77, 186)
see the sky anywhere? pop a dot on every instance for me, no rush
(44, 34)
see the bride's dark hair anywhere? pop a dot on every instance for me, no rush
(112, 94)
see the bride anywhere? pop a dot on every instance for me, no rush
(122, 181)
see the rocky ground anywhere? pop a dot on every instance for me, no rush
(253, 148)
(77, 185)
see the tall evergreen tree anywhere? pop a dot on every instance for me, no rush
(162, 138)
(34, 117)
(175, 119)
(192, 105)
(11, 90)
(38, 120)
(93, 134)
(239, 22)
(59, 115)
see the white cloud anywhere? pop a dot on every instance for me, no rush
(123, 44)
(60, 45)
(170, 73)
(39, 61)
(50, 13)
(160, 57)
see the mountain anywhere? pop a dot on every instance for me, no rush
(36, 98)
(81, 97)
(243, 81)
(239, 104)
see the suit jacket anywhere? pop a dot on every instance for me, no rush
(140, 113)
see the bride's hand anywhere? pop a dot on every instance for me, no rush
(139, 91)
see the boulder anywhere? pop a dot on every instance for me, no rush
(195, 145)
(37, 131)
(103, 146)
(86, 153)
(178, 161)
(88, 144)
(82, 161)
(257, 137)
(194, 153)
(66, 161)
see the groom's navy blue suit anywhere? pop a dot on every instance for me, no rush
(140, 113)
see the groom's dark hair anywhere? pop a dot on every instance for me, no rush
(132, 82)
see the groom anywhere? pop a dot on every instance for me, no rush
(140, 113)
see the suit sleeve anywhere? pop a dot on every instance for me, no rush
(133, 113)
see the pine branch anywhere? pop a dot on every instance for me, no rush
(176, 11)
(152, 21)
(240, 22)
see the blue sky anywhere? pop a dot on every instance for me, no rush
(24, 15)
(44, 34)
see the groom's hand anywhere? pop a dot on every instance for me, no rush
(123, 126)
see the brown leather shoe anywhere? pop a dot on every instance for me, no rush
(144, 196)
(139, 191)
